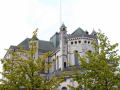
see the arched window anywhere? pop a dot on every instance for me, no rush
(89, 51)
(76, 58)
(57, 62)
(64, 88)
(65, 65)
(55, 65)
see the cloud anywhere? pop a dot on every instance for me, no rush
(18, 19)
(89, 14)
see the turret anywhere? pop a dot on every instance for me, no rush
(63, 28)
(94, 33)
(63, 47)
(63, 35)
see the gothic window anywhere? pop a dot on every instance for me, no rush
(76, 58)
(55, 65)
(57, 62)
(71, 42)
(64, 88)
(65, 65)
(75, 42)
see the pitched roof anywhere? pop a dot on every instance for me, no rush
(93, 32)
(46, 45)
(43, 46)
(25, 43)
(78, 31)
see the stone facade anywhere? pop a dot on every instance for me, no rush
(63, 45)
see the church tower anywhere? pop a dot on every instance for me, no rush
(63, 47)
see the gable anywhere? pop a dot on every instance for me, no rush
(78, 31)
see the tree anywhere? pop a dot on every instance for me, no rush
(101, 72)
(25, 69)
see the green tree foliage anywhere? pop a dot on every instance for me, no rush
(24, 69)
(101, 71)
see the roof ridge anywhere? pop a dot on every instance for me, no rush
(78, 31)
(24, 40)
(44, 40)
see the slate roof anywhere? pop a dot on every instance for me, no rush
(80, 33)
(25, 43)
(13, 48)
(43, 46)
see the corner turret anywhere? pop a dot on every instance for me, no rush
(94, 33)
(63, 47)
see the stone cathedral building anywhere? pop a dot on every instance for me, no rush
(63, 45)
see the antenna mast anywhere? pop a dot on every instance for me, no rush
(60, 12)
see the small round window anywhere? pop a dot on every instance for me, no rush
(79, 41)
(88, 42)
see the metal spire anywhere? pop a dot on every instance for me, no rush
(60, 12)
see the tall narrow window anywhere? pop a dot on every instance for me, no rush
(76, 58)
(57, 62)
(55, 65)
(65, 65)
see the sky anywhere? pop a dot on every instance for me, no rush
(19, 18)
